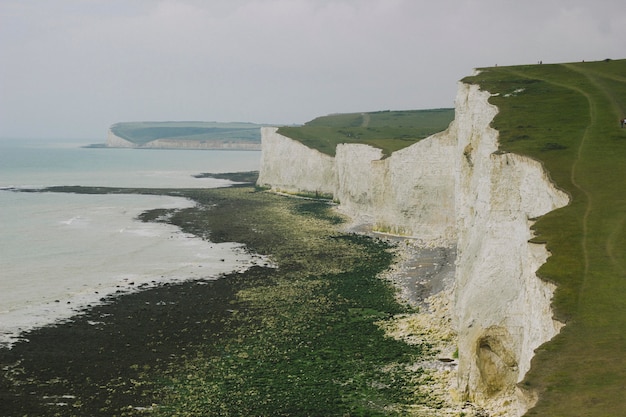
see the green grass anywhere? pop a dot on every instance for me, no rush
(141, 133)
(386, 130)
(567, 116)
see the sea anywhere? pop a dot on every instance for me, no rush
(61, 253)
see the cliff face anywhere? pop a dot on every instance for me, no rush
(200, 144)
(410, 193)
(114, 141)
(289, 166)
(452, 188)
(502, 309)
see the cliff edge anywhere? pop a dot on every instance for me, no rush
(452, 188)
(502, 310)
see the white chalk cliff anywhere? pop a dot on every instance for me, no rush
(453, 188)
(503, 310)
(114, 141)
(410, 193)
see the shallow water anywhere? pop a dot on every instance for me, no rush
(40, 163)
(60, 252)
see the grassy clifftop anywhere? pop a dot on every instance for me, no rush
(387, 130)
(141, 133)
(567, 116)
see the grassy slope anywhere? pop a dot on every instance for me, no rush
(144, 132)
(567, 116)
(387, 130)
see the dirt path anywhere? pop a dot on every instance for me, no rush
(619, 110)
(597, 79)
(588, 242)
(366, 119)
(575, 173)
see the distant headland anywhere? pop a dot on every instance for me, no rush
(185, 135)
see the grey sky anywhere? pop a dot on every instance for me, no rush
(71, 68)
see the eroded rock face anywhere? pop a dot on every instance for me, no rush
(496, 361)
(410, 193)
(289, 166)
(114, 141)
(455, 187)
(201, 144)
(502, 308)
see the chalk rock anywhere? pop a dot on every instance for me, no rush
(502, 309)
(411, 193)
(454, 187)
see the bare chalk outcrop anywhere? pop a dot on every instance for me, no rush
(411, 193)
(502, 310)
(455, 188)
(115, 141)
(289, 166)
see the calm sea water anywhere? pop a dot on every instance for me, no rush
(61, 252)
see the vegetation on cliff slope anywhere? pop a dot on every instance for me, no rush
(386, 130)
(568, 117)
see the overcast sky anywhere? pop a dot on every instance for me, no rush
(71, 68)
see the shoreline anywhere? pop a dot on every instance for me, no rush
(115, 358)
(110, 344)
(55, 301)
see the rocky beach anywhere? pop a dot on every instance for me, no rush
(305, 333)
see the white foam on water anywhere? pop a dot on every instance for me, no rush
(80, 248)
(61, 252)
